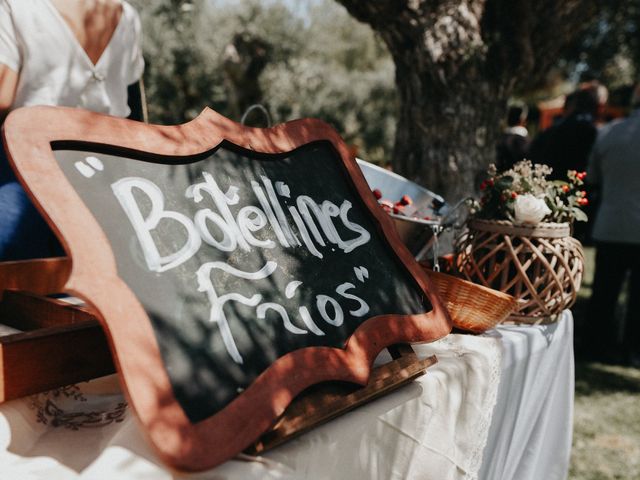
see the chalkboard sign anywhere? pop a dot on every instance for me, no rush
(231, 267)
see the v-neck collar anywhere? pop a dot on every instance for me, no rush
(75, 40)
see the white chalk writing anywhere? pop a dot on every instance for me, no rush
(301, 222)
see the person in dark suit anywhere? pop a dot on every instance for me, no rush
(567, 144)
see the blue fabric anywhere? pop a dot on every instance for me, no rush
(6, 174)
(23, 232)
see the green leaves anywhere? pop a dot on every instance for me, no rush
(321, 63)
(503, 183)
(579, 215)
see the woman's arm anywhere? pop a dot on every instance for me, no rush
(8, 85)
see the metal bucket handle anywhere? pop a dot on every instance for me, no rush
(256, 106)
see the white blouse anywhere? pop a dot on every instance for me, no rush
(53, 67)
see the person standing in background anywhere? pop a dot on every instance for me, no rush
(566, 145)
(514, 141)
(84, 54)
(614, 166)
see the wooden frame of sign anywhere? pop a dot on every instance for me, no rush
(61, 343)
(182, 435)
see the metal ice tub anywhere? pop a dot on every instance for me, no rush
(416, 233)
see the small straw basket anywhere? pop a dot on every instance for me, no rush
(472, 307)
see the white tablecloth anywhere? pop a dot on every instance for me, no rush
(531, 431)
(436, 428)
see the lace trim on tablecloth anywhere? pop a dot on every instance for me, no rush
(492, 351)
(484, 421)
(51, 409)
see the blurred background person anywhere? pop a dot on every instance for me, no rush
(75, 53)
(566, 145)
(514, 141)
(614, 165)
(601, 94)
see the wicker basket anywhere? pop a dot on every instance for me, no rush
(541, 266)
(472, 307)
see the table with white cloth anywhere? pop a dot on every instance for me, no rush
(495, 406)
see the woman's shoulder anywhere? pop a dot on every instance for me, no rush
(131, 18)
(129, 11)
(18, 6)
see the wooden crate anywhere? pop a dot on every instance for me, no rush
(58, 344)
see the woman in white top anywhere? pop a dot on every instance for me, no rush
(82, 53)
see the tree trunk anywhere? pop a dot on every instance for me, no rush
(446, 143)
(457, 63)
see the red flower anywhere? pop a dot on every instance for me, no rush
(583, 202)
(565, 188)
(514, 194)
(486, 183)
(581, 175)
(377, 193)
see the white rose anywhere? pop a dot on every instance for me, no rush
(529, 209)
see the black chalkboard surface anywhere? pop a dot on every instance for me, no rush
(231, 267)
(240, 260)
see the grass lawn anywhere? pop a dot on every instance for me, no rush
(606, 433)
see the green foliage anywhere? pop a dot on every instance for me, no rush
(179, 61)
(322, 64)
(342, 75)
(609, 50)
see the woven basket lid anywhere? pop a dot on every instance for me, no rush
(547, 230)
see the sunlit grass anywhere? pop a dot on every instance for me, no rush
(606, 434)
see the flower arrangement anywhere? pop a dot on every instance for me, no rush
(524, 196)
